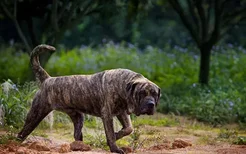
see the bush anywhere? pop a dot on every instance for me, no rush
(15, 100)
(14, 65)
(165, 68)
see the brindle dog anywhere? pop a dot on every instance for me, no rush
(116, 92)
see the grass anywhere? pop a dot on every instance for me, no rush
(15, 101)
(207, 140)
(241, 140)
(9, 135)
(156, 122)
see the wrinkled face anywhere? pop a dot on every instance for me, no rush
(146, 96)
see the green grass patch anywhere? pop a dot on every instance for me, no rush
(15, 101)
(9, 135)
(91, 122)
(241, 140)
(149, 120)
(97, 140)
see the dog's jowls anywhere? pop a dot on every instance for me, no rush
(116, 92)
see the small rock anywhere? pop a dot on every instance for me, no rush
(11, 149)
(21, 150)
(179, 143)
(79, 146)
(163, 146)
(64, 148)
(39, 146)
(127, 149)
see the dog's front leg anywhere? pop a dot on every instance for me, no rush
(125, 121)
(109, 131)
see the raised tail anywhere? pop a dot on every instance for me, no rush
(39, 72)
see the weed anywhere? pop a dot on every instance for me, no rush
(241, 140)
(15, 100)
(96, 137)
(207, 139)
(9, 136)
(90, 122)
(227, 134)
(135, 138)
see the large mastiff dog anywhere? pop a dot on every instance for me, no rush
(116, 92)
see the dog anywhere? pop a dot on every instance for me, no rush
(115, 92)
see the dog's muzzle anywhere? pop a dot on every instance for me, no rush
(148, 107)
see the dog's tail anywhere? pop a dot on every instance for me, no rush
(39, 72)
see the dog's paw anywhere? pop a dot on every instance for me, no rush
(120, 151)
(117, 150)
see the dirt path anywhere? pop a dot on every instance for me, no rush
(186, 137)
(44, 146)
(171, 140)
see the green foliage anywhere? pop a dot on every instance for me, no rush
(135, 137)
(207, 139)
(153, 122)
(90, 122)
(227, 134)
(15, 100)
(98, 140)
(217, 104)
(231, 136)
(241, 140)
(9, 136)
(165, 68)
(14, 65)
(96, 137)
(221, 102)
(173, 69)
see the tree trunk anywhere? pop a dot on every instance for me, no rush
(204, 65)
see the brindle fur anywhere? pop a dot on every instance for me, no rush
(116, 92)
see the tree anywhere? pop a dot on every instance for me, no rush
(46, 21)
(207, 21)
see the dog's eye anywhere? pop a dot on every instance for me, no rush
(143, 93)
(153, 93)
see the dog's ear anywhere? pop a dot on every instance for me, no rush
(159, 95)
(130, 87)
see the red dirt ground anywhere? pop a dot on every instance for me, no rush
(178, 146)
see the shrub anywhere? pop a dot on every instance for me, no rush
(165, 68)
(15, 100)
(14, 66)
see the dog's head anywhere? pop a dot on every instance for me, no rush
(145, 94)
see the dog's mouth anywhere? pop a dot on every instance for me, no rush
(148, 108)
(148, 111)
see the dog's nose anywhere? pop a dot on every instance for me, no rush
(150, 104)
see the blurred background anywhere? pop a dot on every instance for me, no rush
(194, 50)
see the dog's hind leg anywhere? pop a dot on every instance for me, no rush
(78, 120)
(37, 113)
(127, 125)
